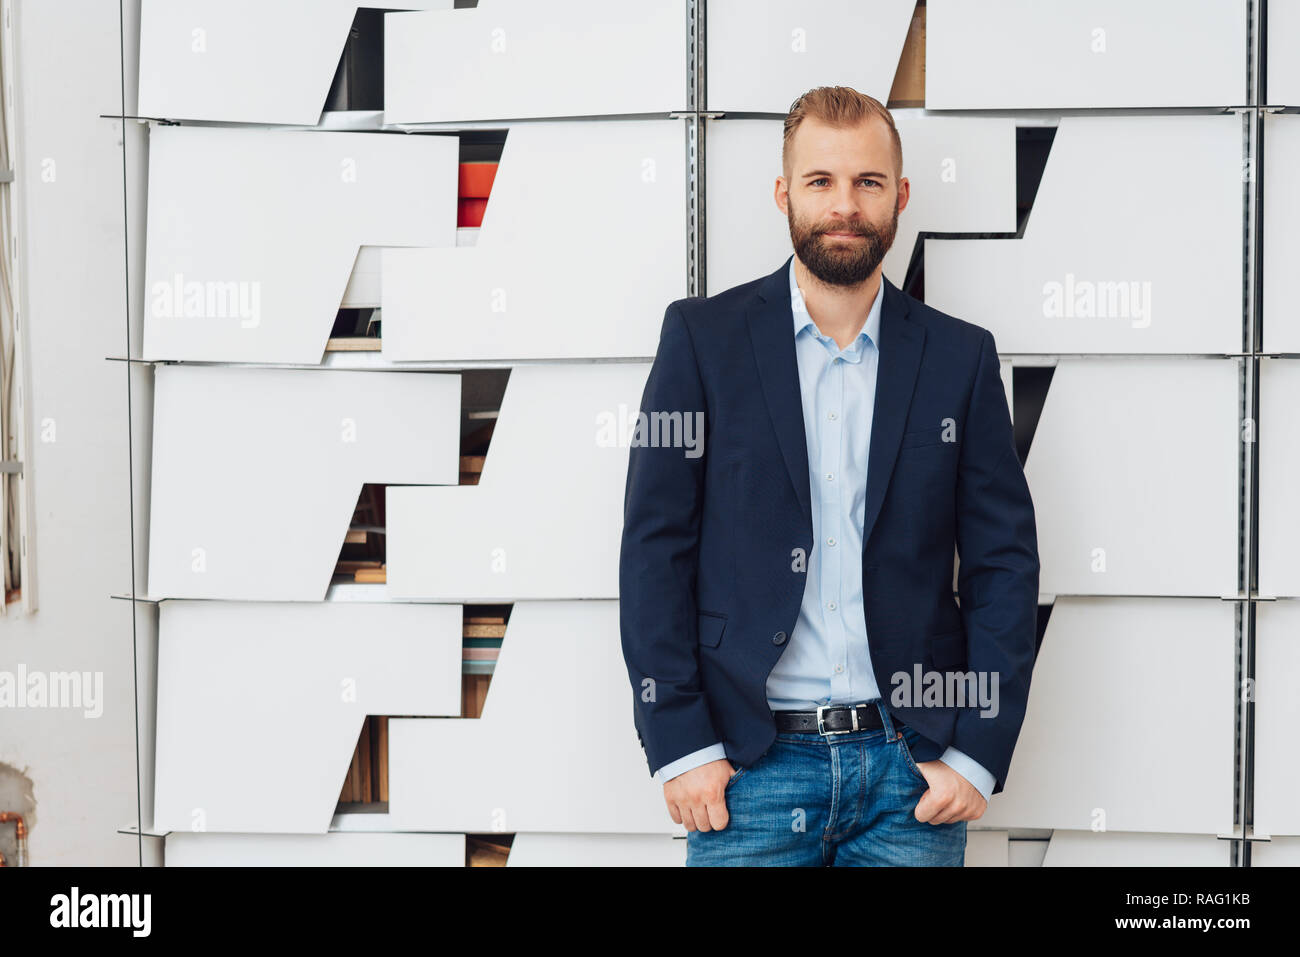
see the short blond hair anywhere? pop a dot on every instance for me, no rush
(838, 106)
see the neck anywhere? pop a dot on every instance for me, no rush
(838, 311)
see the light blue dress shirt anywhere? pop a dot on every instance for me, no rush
(828, 660)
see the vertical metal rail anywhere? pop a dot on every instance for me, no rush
(696, 18)
(1252, 117)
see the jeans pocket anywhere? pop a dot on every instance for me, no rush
(740, 772)
(905, 751)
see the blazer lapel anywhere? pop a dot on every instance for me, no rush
(901, 343)
(771, 331)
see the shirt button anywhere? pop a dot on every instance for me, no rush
(830, 476)
(832, 416)
(778, 638)
(839, 668)
(830, 541)
(831, 606)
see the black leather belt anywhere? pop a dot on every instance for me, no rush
(831, 719)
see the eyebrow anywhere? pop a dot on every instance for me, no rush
(824, 172)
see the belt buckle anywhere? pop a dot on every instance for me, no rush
(821, 727)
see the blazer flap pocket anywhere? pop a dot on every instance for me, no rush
(948, 651)
(922, 437)
(711, 626)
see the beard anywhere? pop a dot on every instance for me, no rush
(841, 262)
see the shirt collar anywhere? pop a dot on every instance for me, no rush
(870, 329)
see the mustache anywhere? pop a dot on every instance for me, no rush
(859, 230)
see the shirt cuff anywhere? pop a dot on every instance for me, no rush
(713, 752)
(971, 770)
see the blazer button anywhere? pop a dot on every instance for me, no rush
(778, 638)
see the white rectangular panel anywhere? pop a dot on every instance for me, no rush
(252, 234)
(762, 54)
(260, 705)
(1133, 473)
(1130, 722)
(517, 59)
(986, 848)
(314, 850)
(535, 760)
(1026, 853)
(546, 279)
(1105, 267)
(1283, 40)
(1281, 252)
(257, 472)
(1108, 849)
(1277, 717)
(1279, 464)
(1026, 54)
(546, 517)
(597, 850)
(245, 61)
(1279, 852)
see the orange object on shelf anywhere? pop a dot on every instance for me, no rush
(475, 181)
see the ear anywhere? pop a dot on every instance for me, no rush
(904, 193)
(781, 195)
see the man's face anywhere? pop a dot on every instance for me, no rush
(842, 203)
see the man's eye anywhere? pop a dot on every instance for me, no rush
(871, 181)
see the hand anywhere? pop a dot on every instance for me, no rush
(696, 798)
(950, 796)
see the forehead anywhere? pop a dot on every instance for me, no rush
(862, 146)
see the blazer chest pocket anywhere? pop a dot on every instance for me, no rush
(923, 437)
(711, 625)
(948, 651)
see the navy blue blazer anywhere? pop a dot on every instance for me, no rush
(710, 581)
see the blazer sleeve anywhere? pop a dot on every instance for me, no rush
(658, 561)
(997, 578)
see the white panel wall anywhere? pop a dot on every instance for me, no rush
(256, 472)
(315, 850)
(1130, 720)
(1277, 716)
(524, 291)
(1282, 231)
(1283, 40)
(1279, 463)
(253, 233)
(517, 59)
(1144, 259)
(597, 850)
(245, 61)
(583, 245)
(987, 848)
(1084, 53)
(1279, 852)
(1133, 473)
(545, 518)
(260, 705)
(762, 54)
(1107, 849)
(535, 760)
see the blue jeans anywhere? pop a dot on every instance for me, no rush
(841, 800)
